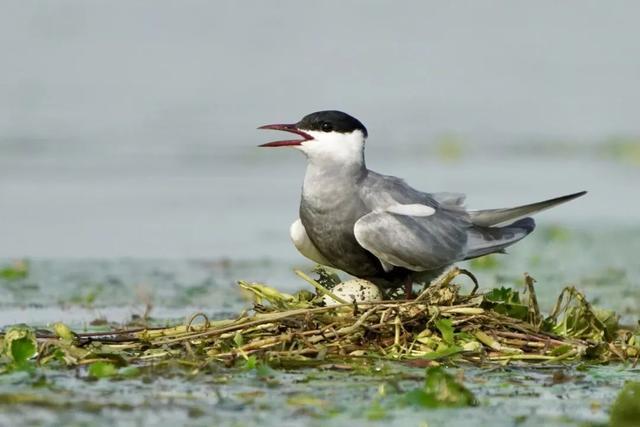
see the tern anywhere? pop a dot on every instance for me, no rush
(377, 227)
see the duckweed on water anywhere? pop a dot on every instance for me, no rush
(441, 325)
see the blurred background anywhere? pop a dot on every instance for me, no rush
(129, 129)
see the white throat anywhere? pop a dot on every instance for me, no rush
(334, 148)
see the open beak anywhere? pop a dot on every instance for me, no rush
(286, 142)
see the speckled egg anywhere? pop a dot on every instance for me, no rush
(357, 290)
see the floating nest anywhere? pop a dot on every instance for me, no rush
(442, 324)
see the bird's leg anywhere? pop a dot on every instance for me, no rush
(471, 276)
(408, 288)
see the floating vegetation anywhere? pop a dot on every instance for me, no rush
(625, 411)
(18, 270)
(450, 148)
(442, 324)
(623, 149)
(440, 389)
(488, 262)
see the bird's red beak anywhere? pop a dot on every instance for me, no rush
(287, 142)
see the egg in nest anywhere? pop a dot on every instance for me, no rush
(356, 290)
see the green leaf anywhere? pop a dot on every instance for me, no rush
(625, 411)
(608, 318)
(376, 412)
(102, 370)
(562, 349)
(251, 363)
(19, 344)
(446, 389)
(506, 301)
(440, 390)
(238, 340)
(63, 331)
(19, 270)
(445, 326)
(22, 350)
(505, 295)
(442, 353)
(263, 371)
(420, 398)
(130, 372)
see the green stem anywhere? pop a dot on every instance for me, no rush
(321, 289)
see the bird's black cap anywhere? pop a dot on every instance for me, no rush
(331, 121)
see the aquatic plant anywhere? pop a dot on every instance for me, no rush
(625, 411)
(442, 324)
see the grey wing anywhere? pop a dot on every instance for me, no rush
(421, 231)
(379, 191)
(449, 199)
(402, 237)
(408, 236)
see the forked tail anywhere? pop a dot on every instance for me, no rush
(492, 217)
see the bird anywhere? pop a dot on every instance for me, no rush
(378, 228)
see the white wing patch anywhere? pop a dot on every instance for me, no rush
(304, 245)
(415, 209)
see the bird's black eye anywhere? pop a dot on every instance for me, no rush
(326, 127)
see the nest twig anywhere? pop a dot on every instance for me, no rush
(441, 324)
